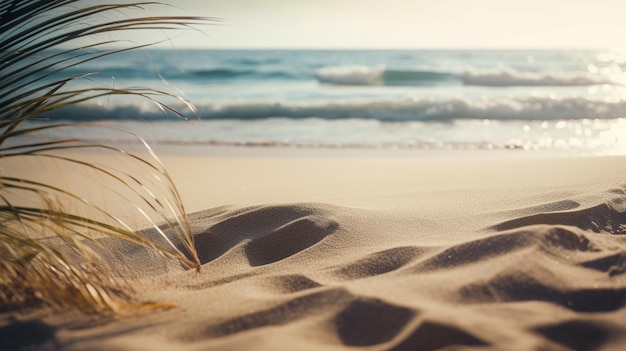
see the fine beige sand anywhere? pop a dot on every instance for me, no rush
(379, 251)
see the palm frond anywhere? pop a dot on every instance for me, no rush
(48, 232)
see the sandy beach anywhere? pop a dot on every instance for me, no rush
(315, 250)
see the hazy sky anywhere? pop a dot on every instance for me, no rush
(408, 23)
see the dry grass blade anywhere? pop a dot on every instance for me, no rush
(50, 234)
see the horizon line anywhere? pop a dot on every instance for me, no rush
(278, 48)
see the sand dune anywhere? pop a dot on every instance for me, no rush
(490, 265)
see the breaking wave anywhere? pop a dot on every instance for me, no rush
(442, 110)
(380, 75)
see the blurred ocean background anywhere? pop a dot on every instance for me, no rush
(563, 101)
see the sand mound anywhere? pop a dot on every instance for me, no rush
(540, 274)
(324, 277)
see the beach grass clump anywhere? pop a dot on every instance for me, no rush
(51, 234)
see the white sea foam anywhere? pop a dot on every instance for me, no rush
(510, 77)
(351, 75)
(525, 108)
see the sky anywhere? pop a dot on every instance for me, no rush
(381, 24)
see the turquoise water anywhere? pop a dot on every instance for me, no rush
(445, 99)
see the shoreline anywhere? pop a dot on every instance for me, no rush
(170, 150)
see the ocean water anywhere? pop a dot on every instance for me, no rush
(564, 101)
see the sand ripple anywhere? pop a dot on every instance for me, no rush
(554, 265)
(322, 277)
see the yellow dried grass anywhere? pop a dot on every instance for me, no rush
(47, 255)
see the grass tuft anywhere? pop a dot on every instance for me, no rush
(51, 234)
